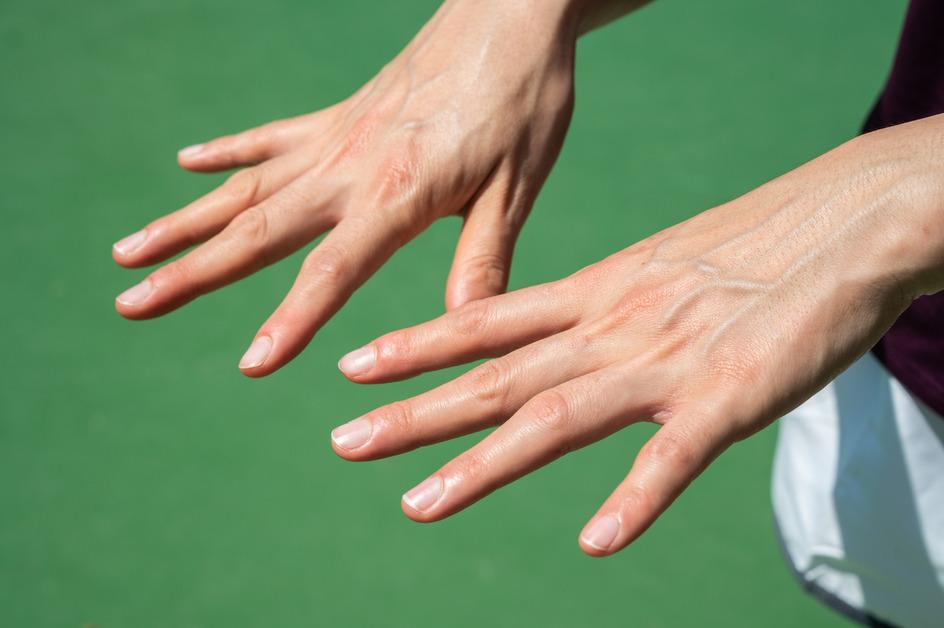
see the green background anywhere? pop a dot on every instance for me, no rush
(145, 482)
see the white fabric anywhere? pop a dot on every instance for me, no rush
(858, 492)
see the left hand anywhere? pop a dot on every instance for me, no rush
(712, 328)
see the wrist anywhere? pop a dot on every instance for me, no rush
(905, 167)
(566, 18)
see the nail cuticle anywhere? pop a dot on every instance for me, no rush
(131, 243)
(359, 361)
(353, 434)
(137, 294)
(425, 495)
(257, 353)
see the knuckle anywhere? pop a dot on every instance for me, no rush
(263, 140)
(634, 302)
(175, 277)
(592, 275)
(551, 411)
(488, 270)
(489, 383)
(581, 339)
(735, 366)
(395, 346)
(172, 227)
(637, 499)
(399, 416)
(220, 145)
(471, 319)
(357, 140)
(471, 467)
(262, 136)
(327, 265)
(243, 186)
(251, 227)
(669, 450)
(400, 171)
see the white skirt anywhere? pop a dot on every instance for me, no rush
(858, 495)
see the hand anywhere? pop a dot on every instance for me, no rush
(466, 121)
(712, 329)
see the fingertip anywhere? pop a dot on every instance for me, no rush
(350, 440)
(357, 365)
(190, 155)
(132, 303)
(409, 512)
(131, 313)
(204, 158)
(256, 361)
(415, 515)
(126, 250)
(120, 258)
(255, 373)
(419, 503)
(342, 453)
(591, 551)
(600, 536)
(119, 309)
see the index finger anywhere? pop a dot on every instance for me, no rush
(479, 329)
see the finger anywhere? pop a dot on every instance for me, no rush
(484, 328)
(551, 424)
(350, 254)
(208, 215)
(253, 146)
(255, 238)
(664, 467)
(483, 254)
(482, 397)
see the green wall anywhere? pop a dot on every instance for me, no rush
(146, 483)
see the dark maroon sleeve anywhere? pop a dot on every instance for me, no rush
(913, 349)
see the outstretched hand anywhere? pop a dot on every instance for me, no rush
(466, 121)
(712, 328)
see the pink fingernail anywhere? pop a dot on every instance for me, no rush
(136, 295)
(131, 242)
(353, 434)
(358, 362)
(601, 533)
(190, 151)
(424, 495)
(257, 353)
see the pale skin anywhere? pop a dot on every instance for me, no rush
(712, 328)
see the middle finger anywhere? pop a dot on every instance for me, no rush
(484, 396)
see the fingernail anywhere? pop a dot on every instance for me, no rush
(601, 533)
(131, 242)
(359, 361)
(353, 434)
(257, 353)
(136, 294)
(425, 494)
(190, 151)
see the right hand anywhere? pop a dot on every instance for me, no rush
(467, 120)
(712, 328)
